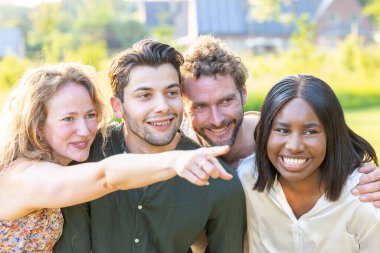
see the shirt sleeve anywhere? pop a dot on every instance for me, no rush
(76, 236)
(227, 226)
(365, 226)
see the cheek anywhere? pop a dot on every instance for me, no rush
(53, 132)
(319, 148)
(272, 143)
(92, 127)
(273, 147)
(177, 104)
(198, 120)
(322, 151)
(235, 107)
(56, 137)
(270, 146)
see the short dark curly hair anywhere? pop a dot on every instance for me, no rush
(209, 56)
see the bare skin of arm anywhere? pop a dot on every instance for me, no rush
(201, 244)
(27, 186)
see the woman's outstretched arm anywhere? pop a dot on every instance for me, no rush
(27, 186)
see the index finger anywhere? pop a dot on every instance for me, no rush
(216, 151)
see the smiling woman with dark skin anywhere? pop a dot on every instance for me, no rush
(306, 164)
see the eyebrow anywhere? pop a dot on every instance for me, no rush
(231, 95)
(228, 96)
(170, 86)
(280, 123)
(75, 113)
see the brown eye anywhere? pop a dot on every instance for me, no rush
(68, 119)
(144, 95)
(91, 115)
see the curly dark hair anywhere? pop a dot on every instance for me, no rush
(209, 56)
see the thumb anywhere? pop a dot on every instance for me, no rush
(217, 151)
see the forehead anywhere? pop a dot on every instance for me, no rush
(297, 110)
(69, 90)
(210, 87)
(152, 77)
(69, 96)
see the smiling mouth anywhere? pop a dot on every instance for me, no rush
(294, 161)
(80, 145)
(160, 123)
(218, 129)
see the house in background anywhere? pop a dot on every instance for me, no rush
(230, 20)
(189, 18)
(11, 42)
(334, 20)
(339, 18)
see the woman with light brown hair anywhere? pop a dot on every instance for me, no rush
(49, 120)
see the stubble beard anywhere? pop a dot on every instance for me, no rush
(146, 135)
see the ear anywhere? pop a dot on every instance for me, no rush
(244, 95)
(117, 107)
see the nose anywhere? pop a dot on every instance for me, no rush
(216, 117)
(295, 143)
(161, 104)
(82, 128)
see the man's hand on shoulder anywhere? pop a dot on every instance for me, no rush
(369, 184)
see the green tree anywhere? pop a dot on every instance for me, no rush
(303, 38)
(267, 9)
(123, 33)
(373, 9)
(44, 36)
(11, 69)
(163, 32)
(89, 52)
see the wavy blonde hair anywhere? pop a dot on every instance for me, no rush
(24, 111)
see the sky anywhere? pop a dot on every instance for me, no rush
(27, 3)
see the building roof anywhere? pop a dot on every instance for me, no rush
(222, 17)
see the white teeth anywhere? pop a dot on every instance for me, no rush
(218, 130)
(294, 162)
(161, 123)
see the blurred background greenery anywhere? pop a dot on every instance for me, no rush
(80, 30)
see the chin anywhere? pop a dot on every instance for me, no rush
(81, 158)
(223, 143)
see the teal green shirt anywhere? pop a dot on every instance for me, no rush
(166, 217)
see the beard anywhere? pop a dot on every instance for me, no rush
(207, 141)
(149, 136)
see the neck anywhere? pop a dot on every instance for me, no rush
(244, 144)
(302, 196)
(137, 145)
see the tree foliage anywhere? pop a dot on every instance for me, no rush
(11, 69)
(55, 30)
(267, 9)
(373, 9)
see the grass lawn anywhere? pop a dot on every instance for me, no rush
(366, 123)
